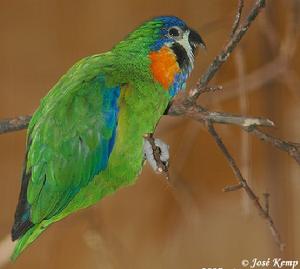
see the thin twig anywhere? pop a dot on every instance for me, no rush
(225, 53)
(248, 124)
(267, 202)
(293, 149)
(245, 186)
(200, 113)
(279, 67)
(209, 89)
(232, 187)
(14, 124)
(238, 17)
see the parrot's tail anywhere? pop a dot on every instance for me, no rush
(28, 238)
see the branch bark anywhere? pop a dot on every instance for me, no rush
(14, 124)
(225, 53)
(263, 211)
(291, 148)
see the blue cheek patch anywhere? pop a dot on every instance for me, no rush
(160, 43)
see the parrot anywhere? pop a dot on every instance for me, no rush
(87, 137)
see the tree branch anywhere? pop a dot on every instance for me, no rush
(238, 17)
(201, 114)
(293, 149)
(225, 53)
(14, 124)
(264, 212)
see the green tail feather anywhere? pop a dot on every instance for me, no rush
(27, 239)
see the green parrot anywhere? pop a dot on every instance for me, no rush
(86, 139)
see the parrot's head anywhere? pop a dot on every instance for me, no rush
(172, 54)
(170, 46)
(175, 35)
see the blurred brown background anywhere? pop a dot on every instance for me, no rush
(148, 226)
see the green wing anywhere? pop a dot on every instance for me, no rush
(70, 138)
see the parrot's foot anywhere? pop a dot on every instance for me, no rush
(157, 154)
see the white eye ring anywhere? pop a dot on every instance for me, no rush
(175, 32)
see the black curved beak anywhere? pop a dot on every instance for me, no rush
(196, 40)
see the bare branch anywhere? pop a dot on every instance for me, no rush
(267, 201)
(238, 17)
(232, 187)
(293, 149)
(242, 182)
(14, 124)
(212, 89)
(248, 124)
(225, 53)
(200, 113)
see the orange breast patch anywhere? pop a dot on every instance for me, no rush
(164, 66)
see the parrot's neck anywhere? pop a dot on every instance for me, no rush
(152, 67)
(166, 70)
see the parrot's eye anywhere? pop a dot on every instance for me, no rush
(175, 32)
